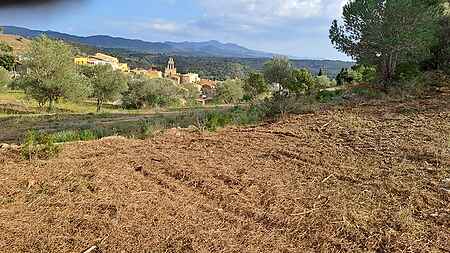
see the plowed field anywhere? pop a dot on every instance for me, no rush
(367, 178)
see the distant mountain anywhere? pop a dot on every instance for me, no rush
(208, 48)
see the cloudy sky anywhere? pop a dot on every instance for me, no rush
(291, 27)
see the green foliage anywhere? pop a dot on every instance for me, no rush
(236, 116)
(301, 82)
(80, 135)
(215, 120)
(143, 91)
(216, 68)
(150, 128)
(407, 71)
(39, 146)
(366, 92)
(323, 82)
(280, 105)
(349, 76)
(229, 91)
(386, 33)
(107, 84)
(190, 92)
(278, 71)
(5, 48)
(7, 61)
(51, 73)
(5, 78)
(440, 52)
(255, 85)
(326, 96)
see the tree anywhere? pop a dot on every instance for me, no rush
(7, 59)
(143, 91)
(323, 82)
(51, 73)
(278, 71)
(5, 78)
(190, 92)
(255, 85)
(387, 32)
(107, 84)
(229, 91)
(301, 81)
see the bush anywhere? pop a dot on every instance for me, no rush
(281, 105)
(40, 146)
(150, 128)
(151, 92)
(325, 96)
(5, 78)
(229, 91)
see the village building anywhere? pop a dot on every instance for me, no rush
(150, 73)
(102, 59)
(171, 73)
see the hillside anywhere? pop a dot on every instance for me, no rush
(372, 178)
(207, 48)
(220, 67)
(18, 43)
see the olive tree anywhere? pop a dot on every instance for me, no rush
(229, 91)
(255, 85)
(51, 73)
(387, 32)
(107, 84)
(143, 91)
(278, 71)
(5, 78)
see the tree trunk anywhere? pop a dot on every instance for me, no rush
(99, 105)
(50, 104)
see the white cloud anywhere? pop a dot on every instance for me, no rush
(164, 26)
(264, 11)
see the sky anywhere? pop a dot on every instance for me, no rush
(290, 27)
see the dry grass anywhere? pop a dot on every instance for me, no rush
(19, 44)
(351, 179)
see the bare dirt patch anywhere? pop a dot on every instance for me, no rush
(373, 178)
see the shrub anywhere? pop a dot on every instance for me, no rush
(40, 146)
(281, 105)
(5, 78)
(215, 120)
(149, 128)
(229, 91)
(325, 96)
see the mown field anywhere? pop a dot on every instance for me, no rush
(371, 178)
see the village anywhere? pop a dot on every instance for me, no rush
(205, 86)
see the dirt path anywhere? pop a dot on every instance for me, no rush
(374, 178)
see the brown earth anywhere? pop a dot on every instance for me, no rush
(372, 178)
(18, 43)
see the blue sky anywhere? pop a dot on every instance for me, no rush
(291, 27)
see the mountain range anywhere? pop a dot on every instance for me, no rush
(211, 48)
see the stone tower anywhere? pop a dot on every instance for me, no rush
(170, 69)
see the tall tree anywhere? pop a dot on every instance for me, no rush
(229, 91)
(255, 85)
(278, 71)
(387, 32)
(51, 73)
(301, 81)
(107, 84)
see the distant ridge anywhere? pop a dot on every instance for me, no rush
(211, 48)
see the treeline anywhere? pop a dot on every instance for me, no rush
(217, 68)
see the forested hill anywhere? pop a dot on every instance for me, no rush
(222, 67)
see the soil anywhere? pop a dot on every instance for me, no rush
(368, 178)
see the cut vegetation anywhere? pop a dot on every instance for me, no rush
(373, 178)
